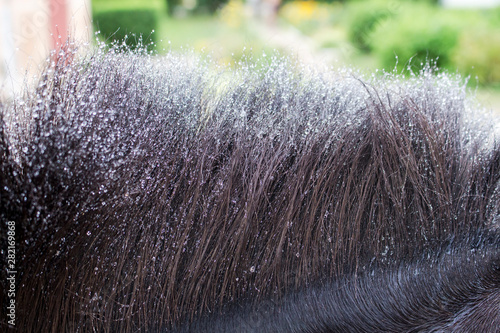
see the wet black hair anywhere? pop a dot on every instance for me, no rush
(167, 194)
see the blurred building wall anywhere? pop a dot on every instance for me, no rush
(30, 29)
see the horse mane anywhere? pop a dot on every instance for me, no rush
(166, 193)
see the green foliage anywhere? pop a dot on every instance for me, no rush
(478, 54)
(210, 5)
(417, 34)
(201, 6)
(128, 25)
(364, 17)
(463, 40)
(171, 4)
(128, 20)
(105, 5)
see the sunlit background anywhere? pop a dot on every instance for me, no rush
(460, 35)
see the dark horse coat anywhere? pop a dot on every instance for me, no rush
(166, 194)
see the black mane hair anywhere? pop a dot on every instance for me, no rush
(166, 194)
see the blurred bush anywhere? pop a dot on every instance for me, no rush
(478, 54)
(210, 5)
(134, 27)
(171, 4)
(131, 21)
(362, 19)
(417, 34)
(195, 6)
(106, 5)
(402, 33)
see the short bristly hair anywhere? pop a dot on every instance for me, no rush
(169, 194)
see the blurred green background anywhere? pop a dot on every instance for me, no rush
(381, 34)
